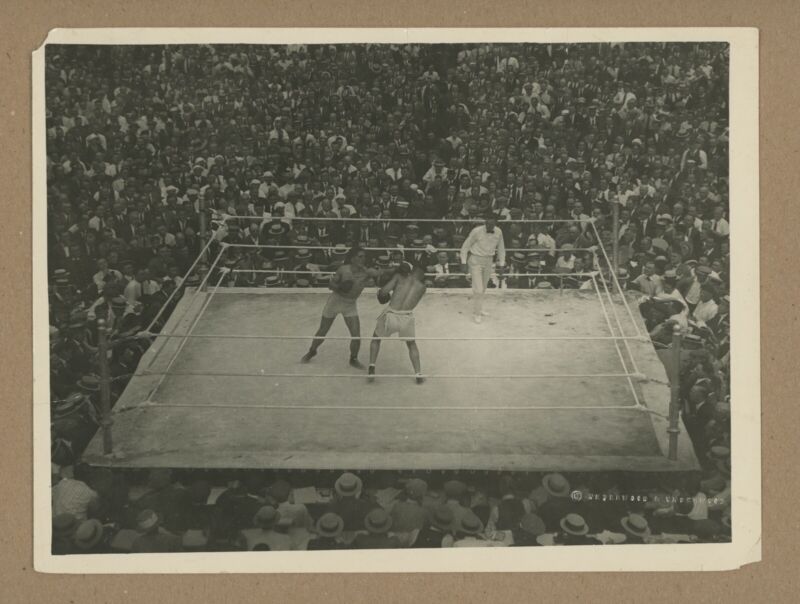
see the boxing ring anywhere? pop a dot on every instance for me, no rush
(562, 380)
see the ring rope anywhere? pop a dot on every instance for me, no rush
(612, 269)
(506, 275)
(362, 376)
(616, 344)
(196, 293)
(152, 404)
(185, 276)
(183, 342)
(396, 338)
(619, 322)
(222, 217)
(403, 249)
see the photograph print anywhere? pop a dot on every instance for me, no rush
(387, 295)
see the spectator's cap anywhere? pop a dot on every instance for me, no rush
(401, 204)
(532, 525)
(322, 280)
(147, 520)
(718, 452)
(671, 274)
(89, 383)
(348, 485)
(519, 258)
(339, 250)
(412, 228)
(255, 181)
(60, 273)
(661, 259)
(544, 285)
(636, 525)
(556, 485)
(574, 524)
(64, 525)
(416, 488)
(266, 517)
(272, 281)
(442, 517)
(194, 539)
(378, 521)
(166, 280)
(268, 175)
(470, 524)
(275, 229)
(200, 161)
(192, 280)
(118, 302)
(330, 525)
(636, 141)
(691, 262)
(454, 489)
(418, 243)
(438, 162)
(703, 270)
(664, 219)
(302, 283)
(622, 273)
(88, 534)
(302, 240)
(303, 254)
(191, 192)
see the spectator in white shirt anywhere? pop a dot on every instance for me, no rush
(104, 275)
(707, 308)
(648, 282)
(477, 255)
(719, 225)
(441, 268)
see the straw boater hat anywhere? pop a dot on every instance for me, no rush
(442, 517)
(636, 525)
(147, 520)
(348, 485)
(574, 524)
(556, 485)
(272, 281)
(88, 534)
(330, 525)
(544, 285)
(470, 524)
(416, 488)
(302, 283)
(378, 521)
(339, 250)
(302, 254)
(266, 517)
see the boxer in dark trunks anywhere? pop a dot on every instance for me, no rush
(346, 286)
(403, 292)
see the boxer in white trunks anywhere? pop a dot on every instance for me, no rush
(403, 292)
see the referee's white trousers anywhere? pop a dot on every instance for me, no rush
(480, 270)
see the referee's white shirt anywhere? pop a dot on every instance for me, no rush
(481, 243)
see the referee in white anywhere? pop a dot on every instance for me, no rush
(478, 253)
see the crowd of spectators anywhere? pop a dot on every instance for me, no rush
(151, 150)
